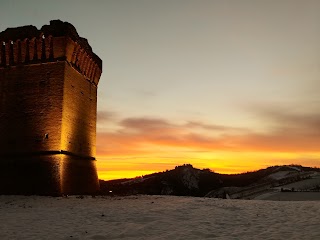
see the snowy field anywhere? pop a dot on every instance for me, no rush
(290, 196)
(156, 217)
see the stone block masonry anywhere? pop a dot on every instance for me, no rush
(48, 105)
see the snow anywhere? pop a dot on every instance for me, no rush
(295, 168)
(280, 175)
(156, 217)
(190, 179)
(304, 184)
(134, 180)
(290, 196)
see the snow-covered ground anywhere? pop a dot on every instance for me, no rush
(156, 217)
(281, 174)
(290, 196)
(304, 184)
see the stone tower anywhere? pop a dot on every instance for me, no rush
(48, 105)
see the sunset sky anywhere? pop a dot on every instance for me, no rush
(230, 85)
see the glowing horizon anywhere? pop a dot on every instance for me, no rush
(107, 170)
(140, 146)
(228, 85)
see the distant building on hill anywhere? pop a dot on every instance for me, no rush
(48, 105)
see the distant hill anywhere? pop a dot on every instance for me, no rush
(186, 180)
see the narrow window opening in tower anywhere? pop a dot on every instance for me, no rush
(46, 136)
(43, 48)
(35, 50)
(51, 48)
(3, 54)
(11, 57)
(19, 52)
(27, 56)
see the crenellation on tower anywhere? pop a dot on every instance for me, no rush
(58, 41)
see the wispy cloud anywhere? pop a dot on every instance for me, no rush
(211, 127)
(290, 132)
(106, 116)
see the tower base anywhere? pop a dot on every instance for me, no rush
(48, 174)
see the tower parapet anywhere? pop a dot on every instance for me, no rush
(58, 41)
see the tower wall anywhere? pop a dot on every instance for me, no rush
(48, 100)
(79, 114)
(31, 99)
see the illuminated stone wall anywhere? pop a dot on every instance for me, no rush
(79, 114)
(48, 101)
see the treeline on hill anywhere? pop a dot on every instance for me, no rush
(186, 180)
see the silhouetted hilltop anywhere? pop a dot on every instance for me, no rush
(186, 180)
